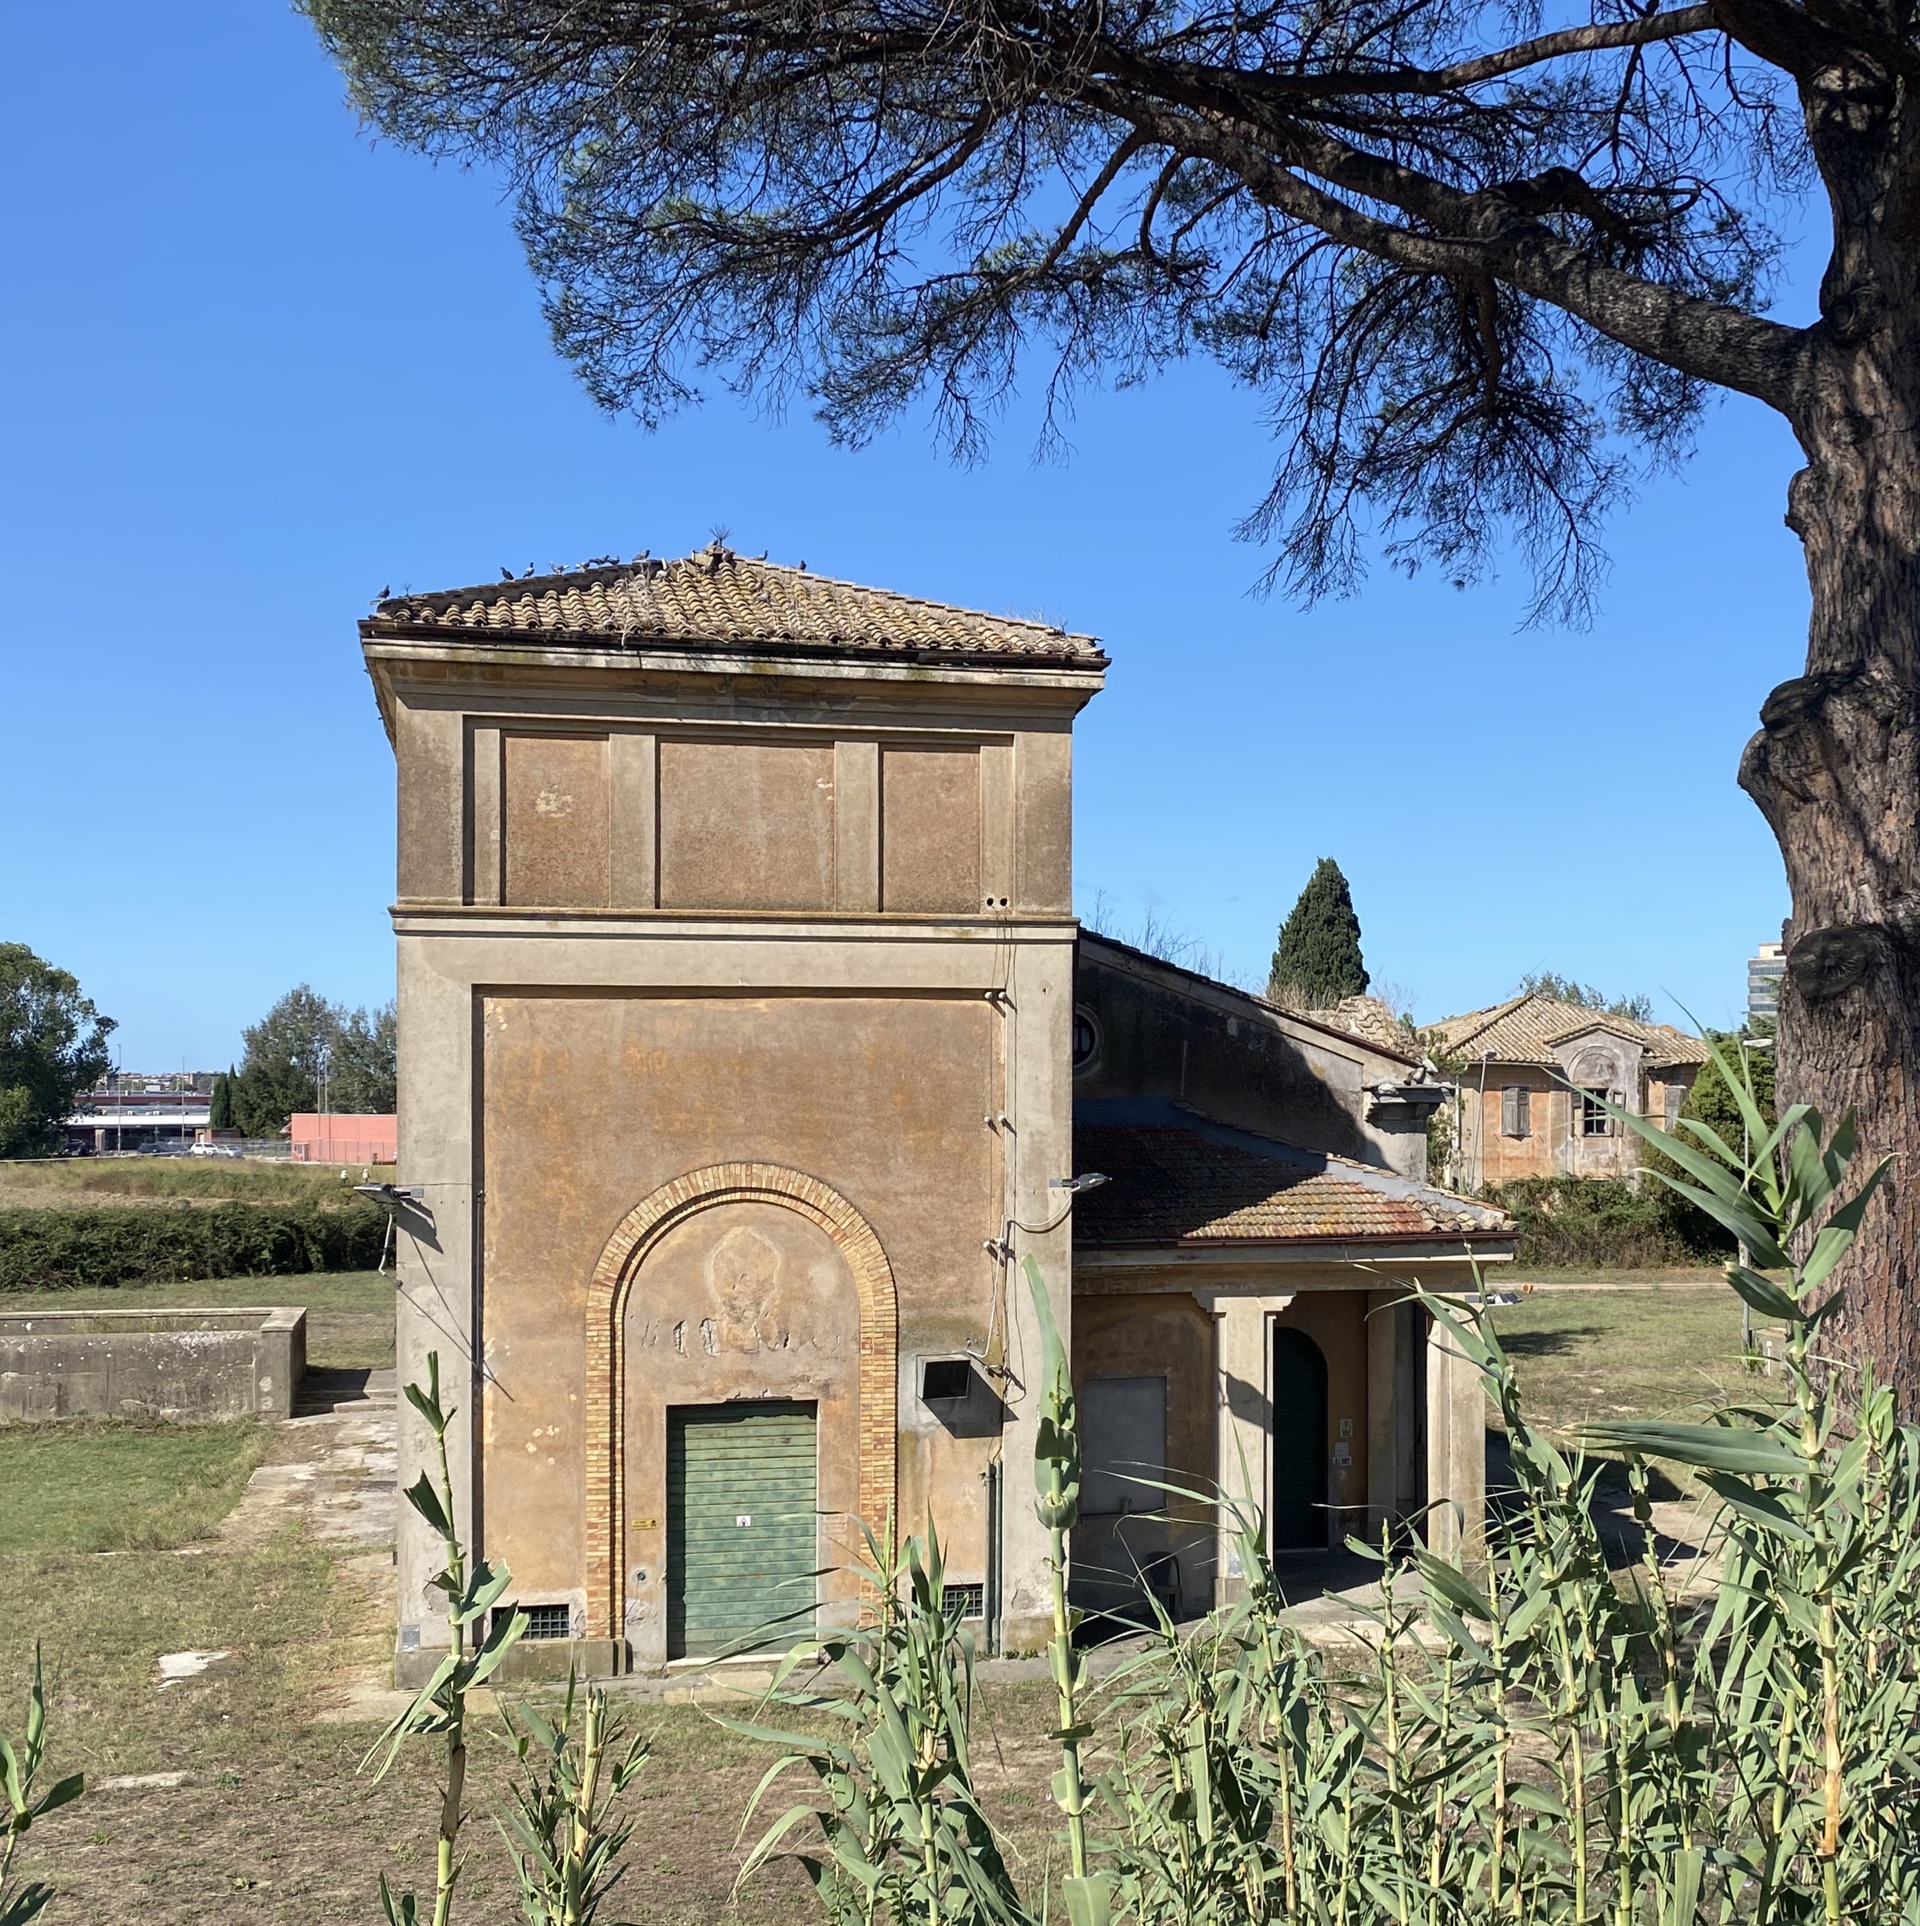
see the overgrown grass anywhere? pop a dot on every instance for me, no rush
(1518, 1737)
(87, 1485)
(75, 1183)
(274, 1822)
(349, 1313)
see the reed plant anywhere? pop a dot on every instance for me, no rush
(20, 1772)
(474, 1651)
(558, 1820)
(1541, 1738)
(879, 1716)
(559, 1823)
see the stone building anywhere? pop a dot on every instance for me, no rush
(747, 1040)
(1534, 1076)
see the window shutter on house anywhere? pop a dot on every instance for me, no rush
(1514, 1120)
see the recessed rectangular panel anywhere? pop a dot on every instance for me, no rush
(558, 833)
(1124, 1422)
(746, 825)
(930, 831)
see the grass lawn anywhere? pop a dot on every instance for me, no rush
(349, 1313)
(79, 1183)
(1670, 1350)
(118, 1485)
(275, 1821)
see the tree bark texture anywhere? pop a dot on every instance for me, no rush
(1835, 767)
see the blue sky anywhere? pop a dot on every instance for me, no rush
(258, 367)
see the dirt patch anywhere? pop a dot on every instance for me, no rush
(295, 1833)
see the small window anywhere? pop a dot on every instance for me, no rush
(1676, 1095)
(1516, 1111)
(1594, 1121)
(543, 1621)
(963, 1601)
(1124, 1441)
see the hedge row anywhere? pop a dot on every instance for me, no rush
(1599, 1223)
(57, 1250)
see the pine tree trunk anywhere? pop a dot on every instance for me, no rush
(1836, 765)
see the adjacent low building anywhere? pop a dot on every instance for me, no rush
(1535, 1076)
(111, 1123)
(748, 1044)
(342, 1137)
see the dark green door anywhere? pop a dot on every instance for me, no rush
(1299, 1442)
(741, 1526)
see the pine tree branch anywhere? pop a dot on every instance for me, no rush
(1466, 232)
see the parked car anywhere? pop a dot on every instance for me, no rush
(213, 1150)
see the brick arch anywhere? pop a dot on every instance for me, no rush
(613, 1276)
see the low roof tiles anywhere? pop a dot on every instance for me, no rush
(1178, 1178)
(717, 599)
(1372, 1021)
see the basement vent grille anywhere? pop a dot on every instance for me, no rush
(543, 1621)
(963, 1601)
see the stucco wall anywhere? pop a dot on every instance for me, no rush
(1162, 1033)
(1498, 1158)
(644, 790)
(592, 1103)
(662, 909)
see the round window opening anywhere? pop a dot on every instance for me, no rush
(1086, 1042)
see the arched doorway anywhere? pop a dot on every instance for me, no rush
(1298, 1521)
(732, 1333)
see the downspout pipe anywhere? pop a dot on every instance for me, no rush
(1480, 1130)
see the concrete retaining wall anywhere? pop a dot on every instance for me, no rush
(187, 1365)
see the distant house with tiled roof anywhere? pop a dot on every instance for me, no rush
(1535, 1075)
(749, 1044)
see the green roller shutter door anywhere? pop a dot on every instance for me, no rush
(742, 1526)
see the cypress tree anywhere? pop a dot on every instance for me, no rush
(220, 1103)
(1318, 960)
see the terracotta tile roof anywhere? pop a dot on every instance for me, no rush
(1177, 1178)
(1525, 1029)
(718, 599)
(1367, 1018)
